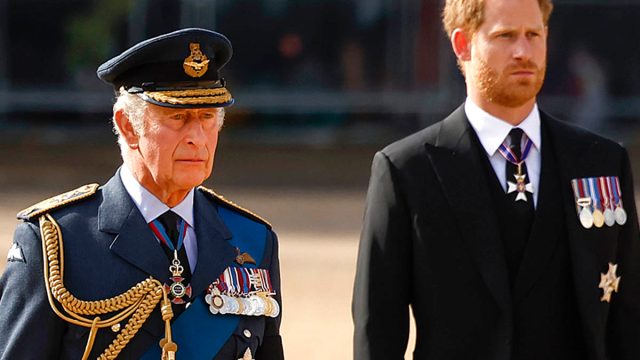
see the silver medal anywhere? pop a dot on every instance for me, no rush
(248, 306)
(609, 217)
(621, 215)
(258, 306)
(230, 305)
(586, 218)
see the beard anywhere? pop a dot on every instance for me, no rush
(499, 89)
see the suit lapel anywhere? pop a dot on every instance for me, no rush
(215, 253)
(457, 161)
(134, 241)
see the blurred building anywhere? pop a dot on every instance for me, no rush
(306, 71)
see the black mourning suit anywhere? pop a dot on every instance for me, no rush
(433, 239)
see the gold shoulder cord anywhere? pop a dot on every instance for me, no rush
(137, 302)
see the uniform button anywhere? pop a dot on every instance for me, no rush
(246, 333)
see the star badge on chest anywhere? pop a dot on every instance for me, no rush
(609, 283)
(521, 186)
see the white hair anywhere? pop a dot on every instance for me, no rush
(134, 107)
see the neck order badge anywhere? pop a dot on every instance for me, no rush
(176, 289)
(522, 186)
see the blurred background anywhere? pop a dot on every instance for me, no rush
(320, 85)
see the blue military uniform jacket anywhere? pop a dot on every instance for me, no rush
(108, 248)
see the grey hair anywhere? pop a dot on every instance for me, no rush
(134, 108)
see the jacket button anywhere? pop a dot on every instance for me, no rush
(246, 333)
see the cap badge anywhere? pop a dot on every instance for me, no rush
(197, 63)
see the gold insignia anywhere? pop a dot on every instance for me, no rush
(609, 283)
(244, 258)
(221, 198)
(197, 63)
(58, 201)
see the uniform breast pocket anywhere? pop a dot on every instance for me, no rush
(245, 340)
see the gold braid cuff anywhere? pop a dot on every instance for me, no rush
(137, 303)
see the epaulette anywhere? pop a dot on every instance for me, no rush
(221, 199)
(58, 201)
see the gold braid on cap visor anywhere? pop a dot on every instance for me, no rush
(191, 96)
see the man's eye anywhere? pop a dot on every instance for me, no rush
(178, 117)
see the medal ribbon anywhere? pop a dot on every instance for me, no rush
(161, 233)
(602, 185)
(595, 193)
(584, 188)
(616, 190)
(237, 281)
(580, 187)
(508, 154)
(610, 193)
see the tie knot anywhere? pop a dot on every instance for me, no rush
(516, 138)
(169, 221)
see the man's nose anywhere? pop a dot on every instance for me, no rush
(196, 133)
(522, 48)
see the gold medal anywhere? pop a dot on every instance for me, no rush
(598, 218)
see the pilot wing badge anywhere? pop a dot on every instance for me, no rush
(15, 254)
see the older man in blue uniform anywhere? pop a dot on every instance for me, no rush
(150, 265)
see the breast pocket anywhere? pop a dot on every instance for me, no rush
(248, 335)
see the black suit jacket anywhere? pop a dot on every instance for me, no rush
(431, 242)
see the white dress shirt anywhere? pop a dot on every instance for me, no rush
(151, 207)
(492, 132)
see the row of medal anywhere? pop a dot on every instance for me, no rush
(599, 201)
(243, 291)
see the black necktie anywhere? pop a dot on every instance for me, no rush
(169, 221)
(521, 212)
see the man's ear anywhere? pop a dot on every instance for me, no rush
(461, 43)
(127, 132)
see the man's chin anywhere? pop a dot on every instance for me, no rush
(189, 182)
(518, 95)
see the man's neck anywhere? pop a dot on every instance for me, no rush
(512, 115)
(171, 199)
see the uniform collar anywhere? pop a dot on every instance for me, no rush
(150, 206)
(492, 131)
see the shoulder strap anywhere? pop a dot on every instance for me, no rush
(58, 201)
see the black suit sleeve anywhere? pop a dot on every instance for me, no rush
(271, 347)
(29, 329)
(383, 280)
(624, 315)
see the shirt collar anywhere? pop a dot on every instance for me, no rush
(492, 131)
(150, 206)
